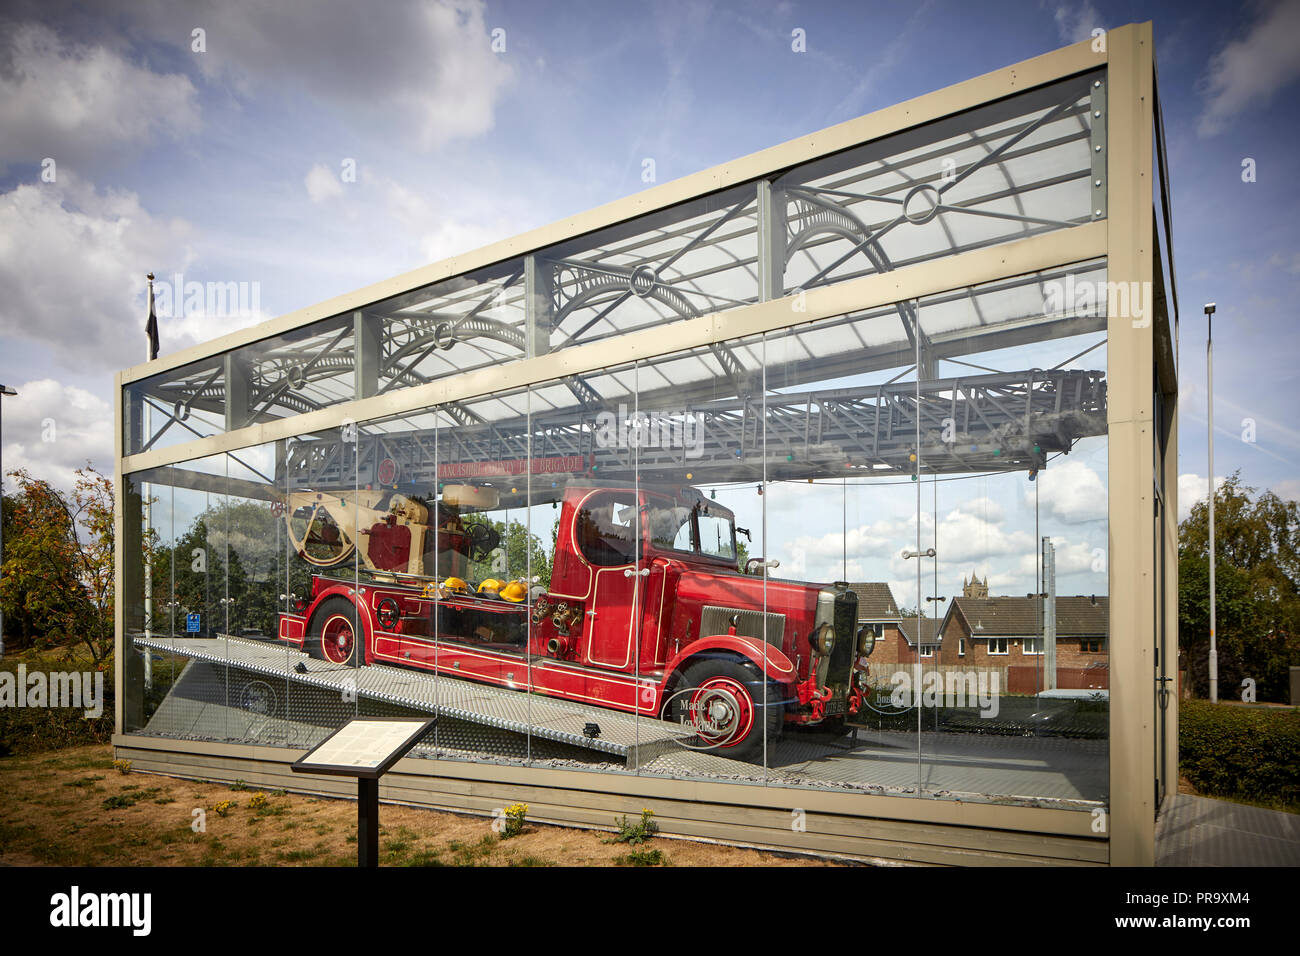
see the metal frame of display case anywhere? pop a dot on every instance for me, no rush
(1130, 232)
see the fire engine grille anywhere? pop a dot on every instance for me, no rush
(846, 641)
(765, 625)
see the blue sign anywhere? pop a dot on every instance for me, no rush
(191, 623)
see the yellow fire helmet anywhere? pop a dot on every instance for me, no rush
(491, 584)
(515, 591)
(455, 584)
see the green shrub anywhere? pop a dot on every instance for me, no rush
(30, 730)
(635, 833)
(515, 814)
(643, 858)
(1231, 751)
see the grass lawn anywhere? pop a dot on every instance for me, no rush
(71, 807)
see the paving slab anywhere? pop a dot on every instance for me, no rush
(1201, 831)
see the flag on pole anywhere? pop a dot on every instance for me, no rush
(151, 326)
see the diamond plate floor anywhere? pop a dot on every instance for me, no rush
(210, 701)
(1039, 770)
(501, 708)
(482, 722)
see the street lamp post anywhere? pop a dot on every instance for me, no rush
(4, 390)
(1209, 405)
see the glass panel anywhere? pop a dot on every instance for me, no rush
(840, 420)
(1016, 168)
(468, 322)
(175, 407)
(299, 371)
(685, 261)
(177, 683)
(1013, 472)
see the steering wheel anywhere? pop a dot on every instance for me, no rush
(483, 540)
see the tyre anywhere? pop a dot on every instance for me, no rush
(336, 633)
(731, 708)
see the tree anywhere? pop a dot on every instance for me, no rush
(237, 550)
(57, 578)
(519, 554)
(21, 628)
(1257, 590)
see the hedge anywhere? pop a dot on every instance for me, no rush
(1232, 751)
(26, 730)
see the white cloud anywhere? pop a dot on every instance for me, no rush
(72, 101)
(322, 184)
(72, 275)
(1071, 558)
(1191, 490)
(1287, 489)
(1070, 492)
(451, 237)
(72, 267)
(1251, 69)
(1076, 23)
(987, 509)
(425, 70)
(823, 557)
(52, 429)
(973, 531)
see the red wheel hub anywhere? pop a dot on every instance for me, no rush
(721, 711)
(337, 639)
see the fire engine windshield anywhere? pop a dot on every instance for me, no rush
(693, 526)
(670, 526)
(717, 534)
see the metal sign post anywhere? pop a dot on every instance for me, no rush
(1209, 411)
(365, 748)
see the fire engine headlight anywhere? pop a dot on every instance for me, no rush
(866, 640)
(823, 639)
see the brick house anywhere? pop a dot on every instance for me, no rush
(1006, 631)
(896, 636)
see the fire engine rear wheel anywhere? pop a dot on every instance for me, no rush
(731, 705)
(336, 634)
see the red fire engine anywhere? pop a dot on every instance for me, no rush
(646, 610)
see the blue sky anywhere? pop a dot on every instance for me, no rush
(223, 164)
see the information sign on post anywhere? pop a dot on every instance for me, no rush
(365, 748)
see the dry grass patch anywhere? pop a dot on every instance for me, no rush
(71, 808)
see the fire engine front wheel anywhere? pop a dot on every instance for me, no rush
(336, 634)
(729, 706)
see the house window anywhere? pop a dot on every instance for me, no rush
(997, 645)
(961, 647)
(1032, 645)
(927, 650)
(1091, 645)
